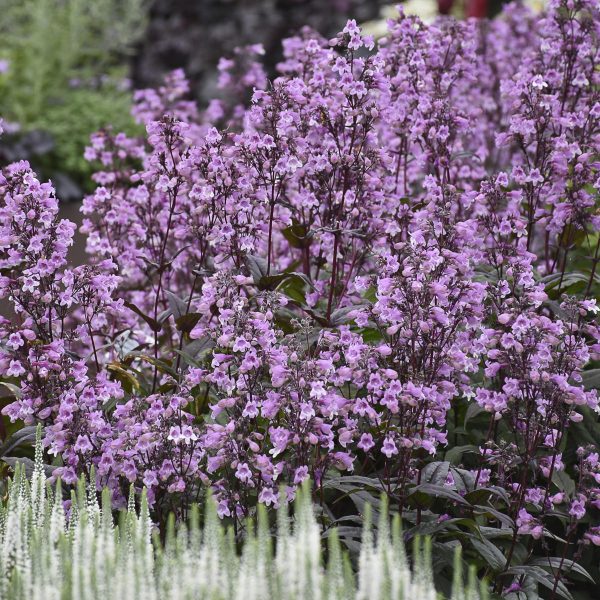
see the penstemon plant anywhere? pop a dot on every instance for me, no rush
(380, 275)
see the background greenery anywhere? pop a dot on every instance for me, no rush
(64, 76)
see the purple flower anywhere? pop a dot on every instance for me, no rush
(389, 447)
(243, 473)
(268, 497)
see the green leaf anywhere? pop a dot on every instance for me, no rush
(343, 531)
(257, 267)
(318, 317)
(464, 480)
(163, 316)
(185, 323)
(353, 481)
(193, 351)
(527, 591)
(496, 532)
(496, 514)
(15, 390)
(27, 463)
(154, 325)
(451, 526)
(439, 491)
(454, 455)
(588, 430)
(371, 295)
(591, 379)
(128, 380)
(542, 577)
(472, 411)
(271, 282)
(420, 499)
(478, 496)
(567, 566)
(293, 287)
(342, 315)
(500, 492)
(161, 365)
(492, 555)
(23, 437)
(435, 472)
(297, 235)
(178, 306)
(361, 498)
(370, 335)
(563, 482)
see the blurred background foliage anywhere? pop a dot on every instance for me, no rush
(68, 67)
(64, 74)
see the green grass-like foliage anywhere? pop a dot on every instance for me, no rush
(45, 556)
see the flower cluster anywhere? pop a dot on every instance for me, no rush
(383, 240)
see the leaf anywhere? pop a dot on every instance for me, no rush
(419, 499)
(501, 493)
(370, 335)
(27, 463)
(163, 316)
(23, 437)
(497, 514)
(567, 566)
(319, 318)
(439, 491)
(271, 282)
(528, 591)
(481, 494)
(542, 577)
(463, 480)
(588, 428)
(257, 267)
(563, 482)
(547, 533)
(492, 555)
(342, 315)
(472, 411)
(478, 496)
(496, 532)
(177, 305)
(454, 455)
(296, 235)
(128, 380)
(344, 531)
(15, 390)
(192, 352)
(185, 323)
(565, 280)
(161, 365)
(354, 481)
(371, 294)
(556, 309)
(435, 526)
(362, 498)
(154, 325)
(443, 557)
(435, 472)
(591, 379)
(428, 528)
(124, 344)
